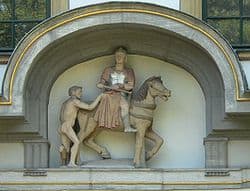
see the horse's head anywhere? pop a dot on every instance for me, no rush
(153, 86)
(157, 88)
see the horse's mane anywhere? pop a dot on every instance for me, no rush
(141, 94)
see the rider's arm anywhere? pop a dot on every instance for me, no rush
(129, 85)
(104, 78)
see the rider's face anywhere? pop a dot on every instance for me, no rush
(120, 58)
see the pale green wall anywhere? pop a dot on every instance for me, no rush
(180, 121)
(238, 154)
(12, 155)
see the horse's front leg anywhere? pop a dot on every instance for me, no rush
(158, 141)
(90, 142)
(141, 126)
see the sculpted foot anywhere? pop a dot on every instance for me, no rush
(136, 165)
(105, 155)
(127, 127)
(130, 130)
(149, 155)
(72, 165)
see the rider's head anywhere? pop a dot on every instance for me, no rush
(120, 57)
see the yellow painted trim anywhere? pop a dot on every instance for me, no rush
(238, 98)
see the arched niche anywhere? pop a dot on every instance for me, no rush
(146, 30)
(86, 45)
(180, 121)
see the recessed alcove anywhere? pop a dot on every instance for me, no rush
(180, 121)
(195, 62)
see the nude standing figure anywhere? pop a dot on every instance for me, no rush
(69, 111)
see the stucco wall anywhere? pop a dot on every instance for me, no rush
(12, 155)
(180, 121)
(238, 154)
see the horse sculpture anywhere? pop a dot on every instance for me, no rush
(141, 111)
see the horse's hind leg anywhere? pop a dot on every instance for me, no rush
(158, 141)
(90, 142)
(139, 145)
(86, 132)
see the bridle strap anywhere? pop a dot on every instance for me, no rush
(161, 91)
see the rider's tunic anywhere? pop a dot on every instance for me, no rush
(108, 113)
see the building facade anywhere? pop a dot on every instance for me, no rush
(204, 124)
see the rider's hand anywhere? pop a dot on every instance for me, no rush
(121, 86)
(115, 86)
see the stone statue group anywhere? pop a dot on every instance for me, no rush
(118, 108)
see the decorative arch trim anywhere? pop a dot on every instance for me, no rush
(223, 47)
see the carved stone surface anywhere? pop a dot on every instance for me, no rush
(117, 82)
(34, 172)
(146, 34)
(141, 113)
(69, 141)
(217, 172)
(36, 153)
(216, 152)
(124, 179)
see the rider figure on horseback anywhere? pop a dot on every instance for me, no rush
(118, 82)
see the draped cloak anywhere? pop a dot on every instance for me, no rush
(108, 113)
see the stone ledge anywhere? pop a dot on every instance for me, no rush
(122, 179)
(35, 172)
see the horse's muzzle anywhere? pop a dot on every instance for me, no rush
(166, 95)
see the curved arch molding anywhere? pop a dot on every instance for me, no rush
(178, 25)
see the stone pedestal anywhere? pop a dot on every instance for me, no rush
(216, 152)
(36, 153)
(121, 179)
